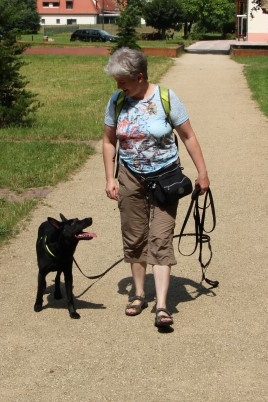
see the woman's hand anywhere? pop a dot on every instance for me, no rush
(112, 189)
(203, 182)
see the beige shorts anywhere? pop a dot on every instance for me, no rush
(147, 229)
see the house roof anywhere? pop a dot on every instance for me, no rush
(86, 7)
(109, 5)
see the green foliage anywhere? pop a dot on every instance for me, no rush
(216, 16)
(127, 23)
(18, 16)
(190, 14)
(163, 14)
(17, 105)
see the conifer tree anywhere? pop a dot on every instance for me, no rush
(17, 104)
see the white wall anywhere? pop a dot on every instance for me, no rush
(257, 26)
(80, 20)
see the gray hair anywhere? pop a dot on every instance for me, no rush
(127, 62)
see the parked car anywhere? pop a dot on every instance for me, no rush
(92, 35)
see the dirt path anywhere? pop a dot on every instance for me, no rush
(218, 350)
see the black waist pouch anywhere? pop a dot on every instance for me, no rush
(170, 185)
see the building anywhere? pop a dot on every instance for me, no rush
(77, 12)
(252, 25)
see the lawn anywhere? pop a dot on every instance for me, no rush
(256, 73)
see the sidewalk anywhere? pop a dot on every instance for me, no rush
(218, 349)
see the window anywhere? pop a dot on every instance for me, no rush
(43, 21)
(57, 21)
(50, 4)
(69, 4)
(71, 21)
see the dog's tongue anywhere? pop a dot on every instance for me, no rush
(86, 236)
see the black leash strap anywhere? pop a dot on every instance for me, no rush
(200, 237)
(100, 275)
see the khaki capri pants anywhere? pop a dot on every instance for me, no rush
(147, 229)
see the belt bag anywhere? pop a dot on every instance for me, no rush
(170, 185)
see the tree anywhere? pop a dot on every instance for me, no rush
(163, 14)
(212, 15)
(16, 103)
(128, 21)
(19, 16)
(190, 14)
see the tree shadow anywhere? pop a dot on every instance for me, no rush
(181, 290)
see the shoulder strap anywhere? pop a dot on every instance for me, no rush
(165, 100)
(118, 103)
(164, 95)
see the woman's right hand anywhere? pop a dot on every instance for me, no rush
(112, 189)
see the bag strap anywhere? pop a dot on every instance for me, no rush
(200, 237)
(118, 103)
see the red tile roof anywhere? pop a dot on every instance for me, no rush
(86, 7)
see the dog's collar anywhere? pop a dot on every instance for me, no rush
(47, 248)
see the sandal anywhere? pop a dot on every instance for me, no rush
(163, 320)
(137, 307)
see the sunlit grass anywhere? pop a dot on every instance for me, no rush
(10, 214)
(256, 73)
(74, 91)
(37, 164)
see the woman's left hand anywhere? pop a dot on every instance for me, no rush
(203, 182)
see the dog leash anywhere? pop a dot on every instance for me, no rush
(200, 237)
(100, 275)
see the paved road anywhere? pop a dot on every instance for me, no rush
(218, 349)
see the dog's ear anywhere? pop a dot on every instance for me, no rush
(63, 218)
(56, 224)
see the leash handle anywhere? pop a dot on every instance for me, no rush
(200, 236)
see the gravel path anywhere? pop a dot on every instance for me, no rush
(218, 349)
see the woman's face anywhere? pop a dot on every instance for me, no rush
(132, 87)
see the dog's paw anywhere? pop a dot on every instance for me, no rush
(37, 308)
(75, 315)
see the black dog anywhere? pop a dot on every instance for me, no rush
(55, 247)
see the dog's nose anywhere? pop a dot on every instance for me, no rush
(89, 221)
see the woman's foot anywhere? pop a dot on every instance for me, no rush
(136, 305)
(163, 318)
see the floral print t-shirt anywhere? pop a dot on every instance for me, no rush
(146, 139)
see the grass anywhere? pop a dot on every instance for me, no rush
(37, 164)
(256, 73)
(10, 214)
(73, 92)
(63, 39)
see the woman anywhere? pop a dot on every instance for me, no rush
(146, 146)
